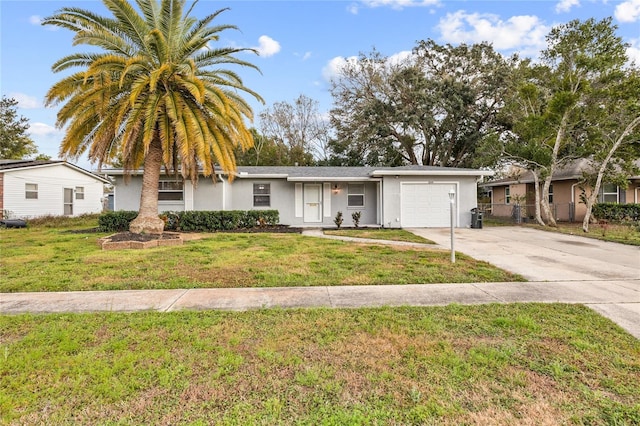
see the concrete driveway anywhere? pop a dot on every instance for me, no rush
(547, 256)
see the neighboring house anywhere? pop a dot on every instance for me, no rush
(564, 194)
(393, 197)
(39, 188)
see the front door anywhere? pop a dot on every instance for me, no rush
(68, 201)
(313, 203)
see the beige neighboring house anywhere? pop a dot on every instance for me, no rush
(515, 197)
(30, 188)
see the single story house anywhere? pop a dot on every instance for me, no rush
(393, 197)
(565, 193)
(31, 188)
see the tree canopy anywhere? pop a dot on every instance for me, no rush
(432, 107)
(15, 143)
(157, 92)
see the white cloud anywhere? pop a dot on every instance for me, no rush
(633, 51)
(628, 11)
(42, 129)
(25, 101)
(525, 33)
(393, 4)
(37, 20)
(400, 57)
(335, 65)
(564, 6)
(306, 56)
(268, 46)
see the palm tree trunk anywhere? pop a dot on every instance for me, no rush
(148, 221)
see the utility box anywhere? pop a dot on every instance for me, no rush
(476, 218)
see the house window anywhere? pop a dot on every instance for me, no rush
(551, 194)
(608, 193)
(170, 190)
(79, 192)
(261, 195)
(31, 191)
(355, 197)
(507, 195)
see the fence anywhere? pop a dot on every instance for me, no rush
(523, 213)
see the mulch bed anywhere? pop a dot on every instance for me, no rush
(129, 236)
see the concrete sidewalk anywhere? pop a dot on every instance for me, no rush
(619, 297)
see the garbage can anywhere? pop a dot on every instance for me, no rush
(476, 218)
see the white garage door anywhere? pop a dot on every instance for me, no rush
(424, 205)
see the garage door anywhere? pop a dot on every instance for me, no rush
(425, 205)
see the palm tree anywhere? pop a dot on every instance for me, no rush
(156, 94)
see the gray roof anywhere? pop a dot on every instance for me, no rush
(9, 165)
(337, 173)
(571, 171)
(21, 164)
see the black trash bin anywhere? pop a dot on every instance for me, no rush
(476, 218)
(13, 223)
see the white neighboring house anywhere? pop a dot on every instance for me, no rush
(31, 188)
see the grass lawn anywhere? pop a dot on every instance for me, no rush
(47, 257)
(617, 233)
(490, 364)
(625, 234)
(379, 234)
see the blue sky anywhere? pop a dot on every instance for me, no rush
(301, 43)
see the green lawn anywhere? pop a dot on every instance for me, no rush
(44, 258)
(617, 233)
(380, 234)
(490, 364)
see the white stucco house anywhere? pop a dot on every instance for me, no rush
(31, 188)
(392, 197)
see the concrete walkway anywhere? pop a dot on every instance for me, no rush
(603, 276)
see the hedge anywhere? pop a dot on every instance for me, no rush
(116, 221)
(200, 221)
(614, 212)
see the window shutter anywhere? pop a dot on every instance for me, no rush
(298, 200)
(326, 186)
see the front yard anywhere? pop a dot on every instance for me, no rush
(44, 258)
(490, 364)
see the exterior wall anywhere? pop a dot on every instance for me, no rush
(564, 193)
(1, 195)
(284, 200)
(370, 211)
(208, 195)
(127, 194)
(51, 181)
(562, 199)
(633, 192)
(288, 198)
(466, 197)
(238, 195)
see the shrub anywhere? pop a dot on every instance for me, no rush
(171, 220)
(195, 221)
(116, 221)
(618, 213)
(338, 219)
(356, 218)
